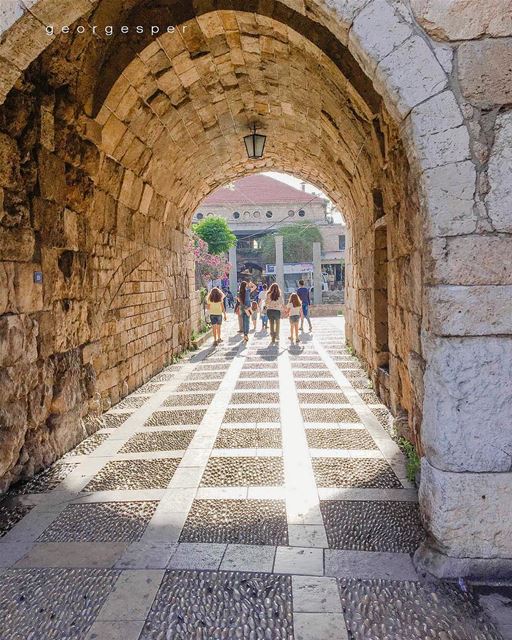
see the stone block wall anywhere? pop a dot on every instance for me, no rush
(383, 303)
(196, 311)
(111, 307)
(137, 334)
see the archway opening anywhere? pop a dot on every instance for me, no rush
(109, 154)
(169, 132)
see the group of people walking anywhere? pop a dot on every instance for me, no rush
(268, 303)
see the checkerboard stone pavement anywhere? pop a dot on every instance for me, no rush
(246, 492)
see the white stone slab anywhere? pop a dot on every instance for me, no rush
(115, 630)
(201, 556)
(307, 535)
(242, 557)
(299, 561)
(369, 565)
(315, 595)
(11, 552)
(146, 555)
(319, 626)
(132, 595)
(73, 554)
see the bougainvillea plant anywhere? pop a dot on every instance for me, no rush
(208, 266)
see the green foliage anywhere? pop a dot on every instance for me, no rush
(203, 294)
(195, 335)
(298, 239)
(413, 459)
(215, 232)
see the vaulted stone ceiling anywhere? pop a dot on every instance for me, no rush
(174, 108)
(177, 113)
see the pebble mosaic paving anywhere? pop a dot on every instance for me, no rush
(199, 386)
(216, 367)
(52, 604)
(207, 376)
(102, 522)
(44, 481)
(340, 439)
(240, 508)
(249, 439)
(370, 397)
(114, 420)
(372, 526)
(255, 398)
(187, 400)
(330, 415)
(249, 605)
(237, 522)
(389, 610)
(369, 473)
(355, 375)
(11, 512)
(316, 384)
(308, 373)
(88, 445)
(243, 472)
(270, 373)
(158, 441)
(259, 365)
(251, 415)
(132, 402)
(148, 389)
(384, 417)
(262, 384)
(176, 417)
(134, 474)
(322, 398)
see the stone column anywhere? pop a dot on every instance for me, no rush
(233, 284)
(317, 273)
(279, 262)
(466, 483)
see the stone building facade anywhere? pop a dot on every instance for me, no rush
(400, 111)
(257, 205)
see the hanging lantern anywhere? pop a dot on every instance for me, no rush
(255, 144)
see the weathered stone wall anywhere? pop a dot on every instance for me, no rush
(467, 321)
(112, 307)
(137, 334)
(384, 289)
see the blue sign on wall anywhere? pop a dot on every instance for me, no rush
(38, 277)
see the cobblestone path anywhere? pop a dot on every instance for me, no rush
(245, 493)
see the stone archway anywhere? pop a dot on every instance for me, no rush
(428, 171)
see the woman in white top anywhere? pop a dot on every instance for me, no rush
(275, 306)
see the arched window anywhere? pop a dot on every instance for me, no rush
(269, 214)
(291, 213)
(236, 215)
(210, 213)
(256, 214)
(302, 213)
(199, 216)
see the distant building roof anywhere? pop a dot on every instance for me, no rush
(260, 189)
